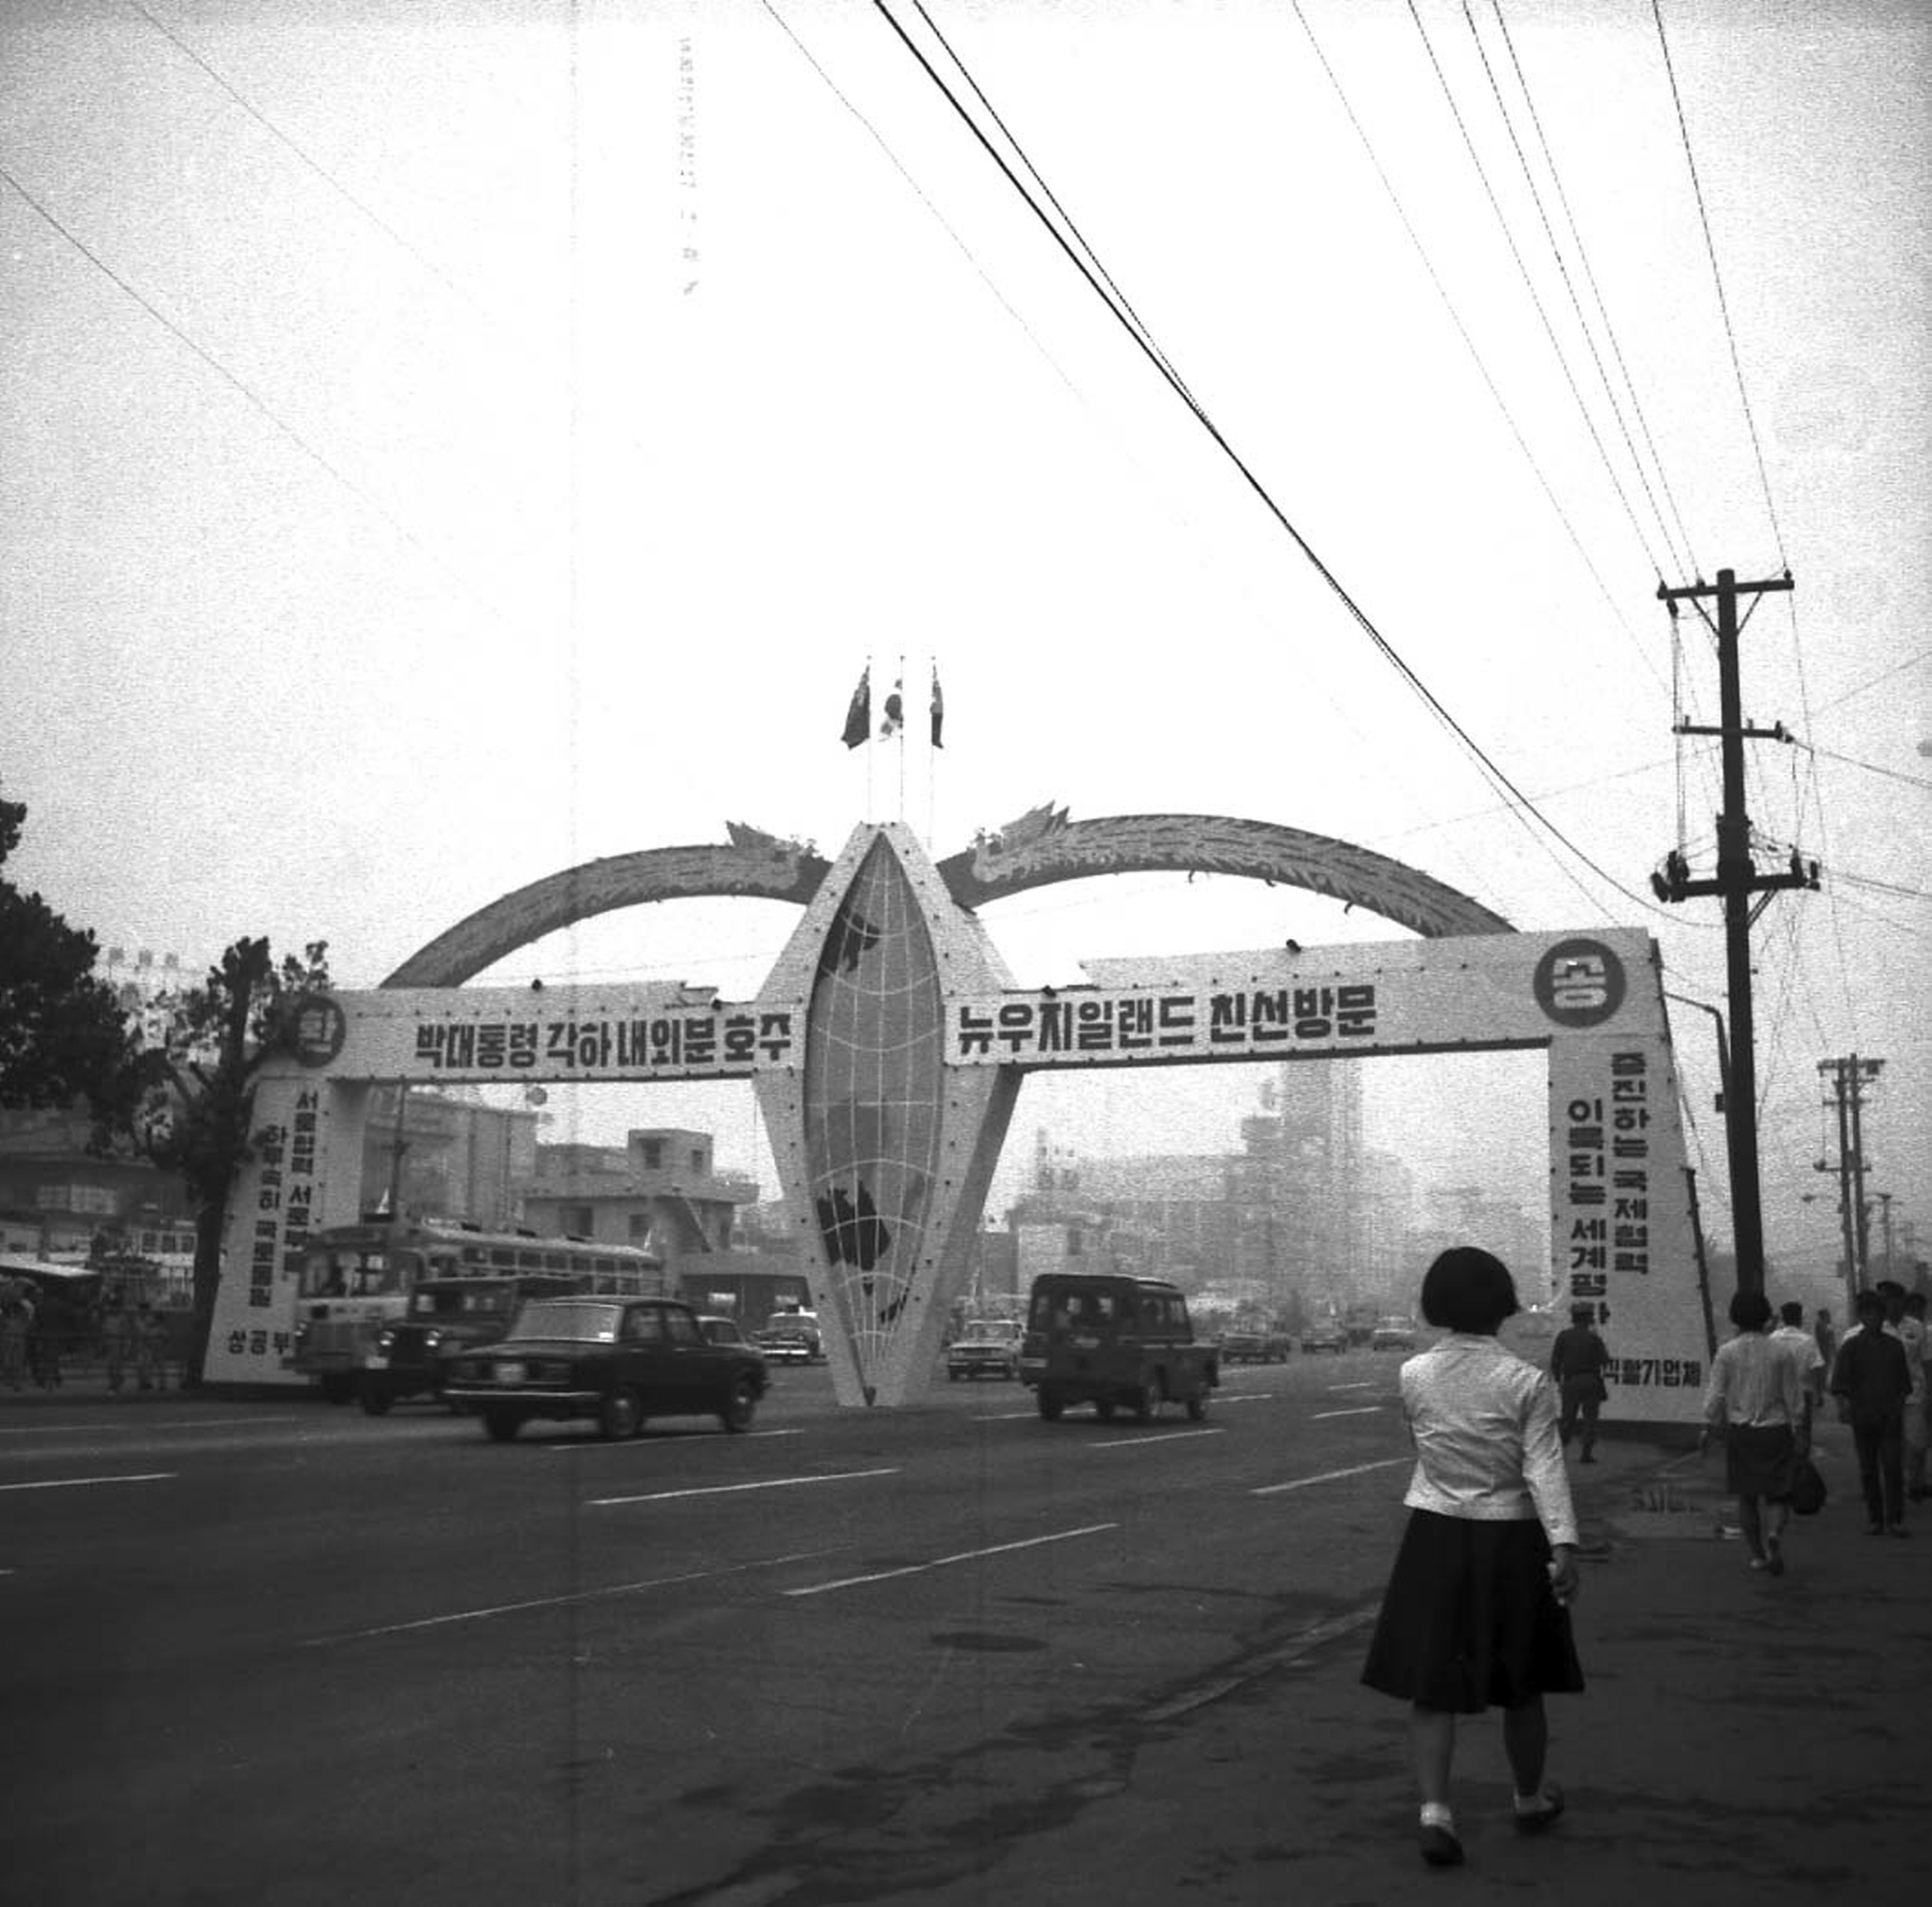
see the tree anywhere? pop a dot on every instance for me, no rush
(198, 1117)
(63, 1036)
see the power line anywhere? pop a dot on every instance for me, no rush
(1556, 253)
(1361, 617)
(1596, 292)
(1469, 343)
(1717, 279)
(1869, 767)
(1536, 302)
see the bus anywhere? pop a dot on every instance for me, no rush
(357, 1282)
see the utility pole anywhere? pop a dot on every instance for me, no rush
(1737, 880)
(1849, 1077)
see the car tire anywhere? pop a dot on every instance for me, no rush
(740, 1406)
(1103, 1408)
(377, 1398)
(1051, 1405)
(1197, 1405)
(619, 1415)
(503, 1425)
(1146, 1403)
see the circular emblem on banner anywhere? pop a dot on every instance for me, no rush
(317, 1029)
(1580, 982)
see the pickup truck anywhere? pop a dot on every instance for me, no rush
(1117, 1343)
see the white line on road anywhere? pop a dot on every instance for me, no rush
(1354, 1410)
(729, 1489)
(1164, 1436)
(557, 1602)
(1329, 1476)
(565, 1441)
(76, 1482)
(131, 1423)
(1365, 1384)
(941, 1562)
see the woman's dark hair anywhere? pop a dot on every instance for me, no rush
(1468, 1290)
(1750, 1311)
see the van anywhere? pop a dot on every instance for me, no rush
(1116, 1342)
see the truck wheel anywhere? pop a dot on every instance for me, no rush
(1197, 1405)
(503, 1425)
(619, 1415)
(1103, 1408)
(1147, 1404)
(740, 1405)
(377, 1397)
(1050, 1405)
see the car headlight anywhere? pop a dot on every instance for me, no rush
(431, 1339)
(302, 1335)
(386, 1339)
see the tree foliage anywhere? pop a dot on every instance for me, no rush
(64, 1037)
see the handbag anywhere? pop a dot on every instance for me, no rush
(1807, 1489)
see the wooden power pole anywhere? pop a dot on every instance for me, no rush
(1737, 881)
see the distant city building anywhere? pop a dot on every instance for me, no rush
(449, 1154)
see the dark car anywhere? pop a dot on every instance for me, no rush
(1254, 1347)
(791, 1337)
(1326, 1337)
(1116, 1342)
(1393, 1334)
(412, 1355)
(618, 1361)
(984, 1350)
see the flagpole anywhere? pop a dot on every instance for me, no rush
(869, 738)
(931, 754)
(899, 688)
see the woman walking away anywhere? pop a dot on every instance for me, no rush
(1757, 1398)
(1477, 1605)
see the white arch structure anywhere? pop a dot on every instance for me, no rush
(888, 1046)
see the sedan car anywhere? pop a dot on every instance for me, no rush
(618, 1361)
(1326, 1337)
(984, 1350)
(1393, 1334)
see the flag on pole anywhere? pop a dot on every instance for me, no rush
(859, 715)
(895, 711)
(938, 709)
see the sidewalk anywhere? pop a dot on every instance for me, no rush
(1743, 1739)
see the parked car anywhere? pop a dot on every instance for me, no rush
(987, 1349)
(618, 1361)
(1117, 1343)
(724, 1330)
(1393, 1334)
(1326, 1337)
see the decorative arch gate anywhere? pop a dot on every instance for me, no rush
(888, 1044)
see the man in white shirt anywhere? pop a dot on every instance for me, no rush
(1803, 1351)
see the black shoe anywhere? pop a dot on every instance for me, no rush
(1548, 1805)
(1439, 1846)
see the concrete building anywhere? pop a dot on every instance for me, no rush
(447, 1154)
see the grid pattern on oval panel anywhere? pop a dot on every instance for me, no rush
(873, 1089)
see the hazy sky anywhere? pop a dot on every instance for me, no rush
(447, 444)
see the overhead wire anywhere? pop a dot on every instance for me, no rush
(1562, 263)
(1523, 808)
(1717, 279)
(1535, 297)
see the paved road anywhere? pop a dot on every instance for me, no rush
(283, 1654)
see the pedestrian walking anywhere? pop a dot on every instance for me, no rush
(1755, 1398)
(1919, 1413)
(149, 1332)
(117, 1338)
(1802, 1346)
(13, 1324)
(1476, 1611)
(1872, 1382)
(1576, 1361)
(1826, 1332)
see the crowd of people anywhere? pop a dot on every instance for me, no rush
(43, 1337)
(1477, 1608)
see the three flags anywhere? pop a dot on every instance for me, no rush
(859, 711)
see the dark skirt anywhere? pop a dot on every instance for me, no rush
(1468, 1618)
(1760, 1460)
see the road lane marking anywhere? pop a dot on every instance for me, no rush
(1365, 1384)
(730, 1489)
(657, 1440)
(127, 1424)
(77, 1482)
(941, 1562)
(1328, 1476)
(1354, 1410)
(1162, 1437)
(557, 1602)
